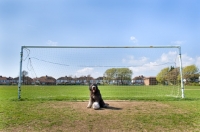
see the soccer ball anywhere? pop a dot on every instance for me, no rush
(95, 105)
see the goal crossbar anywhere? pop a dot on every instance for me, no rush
(101, 47)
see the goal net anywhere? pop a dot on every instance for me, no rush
(120, 72)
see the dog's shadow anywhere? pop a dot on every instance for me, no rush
(111, 108)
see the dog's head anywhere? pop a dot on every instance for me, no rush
(93, 88)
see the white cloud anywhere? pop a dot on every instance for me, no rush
(133, 39)
(186, 60)
(85, 71)
(141, 65)
(147, 67)
(88, 71)
(51, 43)
(168, 57)
(178, 42)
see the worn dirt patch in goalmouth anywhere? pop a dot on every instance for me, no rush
(120, 106)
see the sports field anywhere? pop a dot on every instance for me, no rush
(81, 92)
(132, 108)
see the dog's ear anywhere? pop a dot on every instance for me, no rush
(96, 87)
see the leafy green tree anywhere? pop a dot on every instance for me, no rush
(117, 74)
(168, 75)
(162, 75)
(172, 75)
(124, 74)
(110, 74)
(190, 73)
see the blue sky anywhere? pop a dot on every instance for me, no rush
(98, 23)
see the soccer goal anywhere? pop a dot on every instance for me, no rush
(131, 72)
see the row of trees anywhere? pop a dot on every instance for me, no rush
(120, 75)
(166, 75)
(172, 75)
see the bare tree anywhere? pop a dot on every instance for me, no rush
(24, 74)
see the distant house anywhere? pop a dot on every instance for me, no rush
(150, 81)
(6, 80)
(15, 80)
(35, 81)
(3, 80)
(27, 80)
(90, 80)
(99, 80)
(138, 80)
(82, 80)
(10, 80)
(47, 80)
(63, 80)
(24, 80)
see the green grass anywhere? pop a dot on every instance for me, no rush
(82, 93)
(47, 108)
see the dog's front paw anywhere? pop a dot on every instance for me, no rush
(90, 103)
(89, 106)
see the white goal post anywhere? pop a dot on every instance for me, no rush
(98, 47)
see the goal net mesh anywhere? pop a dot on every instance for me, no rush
(121, 73)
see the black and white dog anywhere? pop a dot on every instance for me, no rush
(95, 96)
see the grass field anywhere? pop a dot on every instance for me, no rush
(81, 92)
(63, 108)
